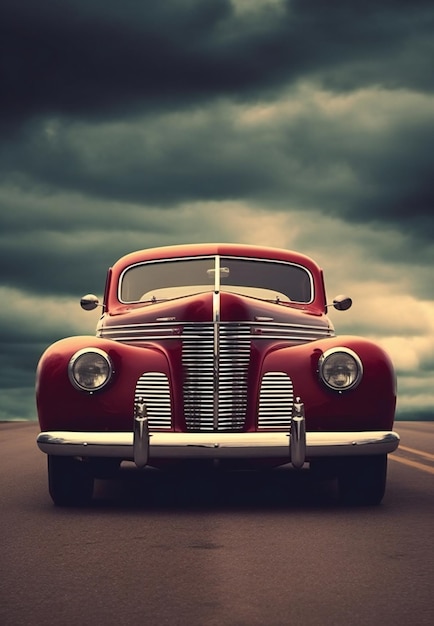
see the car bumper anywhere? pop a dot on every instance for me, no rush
(142, 446)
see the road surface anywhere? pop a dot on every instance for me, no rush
(244, 551)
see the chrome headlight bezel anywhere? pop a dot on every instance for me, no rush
(77, 369)
(343, 358)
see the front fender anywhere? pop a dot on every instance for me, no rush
(61, 406)
(370, 406)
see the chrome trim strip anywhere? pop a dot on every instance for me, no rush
(258, 330)
(216, 345)
(217, 276)
(217, 445)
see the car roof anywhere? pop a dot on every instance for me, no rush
(205, 249)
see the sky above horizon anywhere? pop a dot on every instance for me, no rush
(299, 124)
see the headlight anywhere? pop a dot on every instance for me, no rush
(90, 369)
(340, 369)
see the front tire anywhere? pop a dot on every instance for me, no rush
(362, 480)
(70, 482)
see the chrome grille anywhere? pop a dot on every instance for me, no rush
(215, 360)
(276, 398)
(153, 388)
(197, 361)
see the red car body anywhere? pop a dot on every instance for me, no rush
(220, 353)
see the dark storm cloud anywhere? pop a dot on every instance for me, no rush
(53, 244)
(367, 159)
(18, 366)
(84, 58)
(75, 72)
(52, 263)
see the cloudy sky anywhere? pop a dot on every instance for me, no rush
(301, 124)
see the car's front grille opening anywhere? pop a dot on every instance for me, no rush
(215, 361)
(153, 388)
(276, 399)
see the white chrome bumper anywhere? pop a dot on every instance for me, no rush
(142, 446)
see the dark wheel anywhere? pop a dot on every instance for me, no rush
(70, 482)
(362, 480)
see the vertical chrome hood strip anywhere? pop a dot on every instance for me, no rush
(216, 350)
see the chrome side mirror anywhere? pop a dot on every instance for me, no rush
(89, 302)
(342, 303)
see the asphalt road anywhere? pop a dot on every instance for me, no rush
(246, 550)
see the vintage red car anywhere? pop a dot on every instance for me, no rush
(218, 354)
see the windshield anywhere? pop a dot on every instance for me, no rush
(165, 280)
